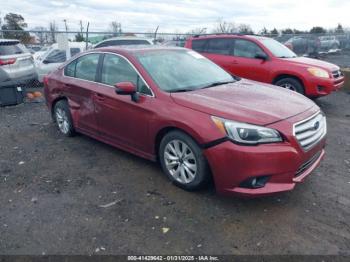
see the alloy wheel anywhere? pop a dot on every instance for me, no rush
(62, 120)
(180, 161)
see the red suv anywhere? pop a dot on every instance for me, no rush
(176, 106)
(266, 60)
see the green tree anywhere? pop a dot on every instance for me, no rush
(318, 30)
(15, 22)
(274, 32)
(339, 29)
(287, 31)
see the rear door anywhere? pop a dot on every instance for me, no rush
(220, 50)
(246, 64)
(79, 87)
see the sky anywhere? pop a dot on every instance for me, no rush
(181, 15)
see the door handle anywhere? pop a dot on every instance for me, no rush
(235, 62)
(100, 97)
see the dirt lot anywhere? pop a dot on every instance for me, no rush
(52, 189)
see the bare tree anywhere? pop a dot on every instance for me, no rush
(116, 28)
(41, 35)
(198, 31)
(80, 37)
(52, 29)
(245, 29)
(224, 27)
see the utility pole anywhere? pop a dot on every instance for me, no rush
(65, 24)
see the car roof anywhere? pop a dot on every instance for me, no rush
(9, 41)
(133, 49)
(244, 36)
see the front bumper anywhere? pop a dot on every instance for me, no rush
(316, 87)
(231, 164)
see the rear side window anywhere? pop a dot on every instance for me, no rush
(10, 49)
(199, 45)
(245, 48)
(222, 46)
(86, 67)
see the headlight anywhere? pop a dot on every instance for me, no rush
(247, 133)
(318, 72)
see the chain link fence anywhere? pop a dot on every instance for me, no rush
(33, 54)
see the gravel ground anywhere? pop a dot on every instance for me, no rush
(53, 191)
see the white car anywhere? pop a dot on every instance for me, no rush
(130, 40)
(54, 57)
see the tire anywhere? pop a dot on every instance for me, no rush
(63, 118)
(183, 162)
(291, 84)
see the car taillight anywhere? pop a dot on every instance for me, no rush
(45, 80)
(8, 61)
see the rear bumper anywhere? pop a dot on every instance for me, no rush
(316, 87)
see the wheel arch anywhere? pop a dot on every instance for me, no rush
(165, 130)
(55, 101)
(287, 75)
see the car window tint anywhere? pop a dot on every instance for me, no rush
(245, 48)
(116, 69)
(69, 70)
(56, 56)
(86, 67)
(199, 45)
(74, 51)
(220, 46)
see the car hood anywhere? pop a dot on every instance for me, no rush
(307, 62)
(246, 101)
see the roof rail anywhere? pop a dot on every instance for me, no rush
(198, 35)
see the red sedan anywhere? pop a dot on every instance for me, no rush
(266, 60)
(177, 107)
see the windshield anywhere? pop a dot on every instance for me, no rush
(182, 70)
(278, 49)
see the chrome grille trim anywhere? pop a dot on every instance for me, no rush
(306, 132)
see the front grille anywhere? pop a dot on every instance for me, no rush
(307, 164)
(311, 130)
(337, 74)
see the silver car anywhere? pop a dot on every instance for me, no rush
(16, 62)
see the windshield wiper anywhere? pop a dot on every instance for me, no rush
(180, 90)
(218, 84)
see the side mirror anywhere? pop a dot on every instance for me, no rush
(125, 88)
(261, 56)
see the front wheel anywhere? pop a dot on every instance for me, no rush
(291, 84)
(183, 162)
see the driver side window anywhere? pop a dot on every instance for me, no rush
(116, 69)
(245, 48)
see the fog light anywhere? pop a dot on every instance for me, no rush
(320, 88)
(255, 182)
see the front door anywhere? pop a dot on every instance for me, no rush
(121, 120)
